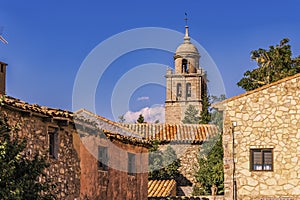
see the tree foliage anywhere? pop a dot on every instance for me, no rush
(216, 115)
(163, 164)
(273, 64)
(18, 174)
(191, 115)
(211, 173)
(140, 119)
(205, 115)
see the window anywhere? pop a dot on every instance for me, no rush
(53, 144)
(188, 90)
(131, 164)
(179, 90)
(261, 159)
(102, 158)
(184, 66)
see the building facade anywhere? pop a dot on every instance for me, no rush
(186, 84)
(87, 159)
(261, 142)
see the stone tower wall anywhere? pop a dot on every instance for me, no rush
(176, 106)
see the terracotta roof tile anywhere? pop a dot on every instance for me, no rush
(161, 188)
(174, 132)
(24, 106)
(111, 129)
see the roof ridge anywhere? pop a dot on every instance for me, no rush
(257, 89)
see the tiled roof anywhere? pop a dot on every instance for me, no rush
(42, 110)
(111, 129)
(161, 188)
(190, 133)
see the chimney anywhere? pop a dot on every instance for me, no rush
(2, 77)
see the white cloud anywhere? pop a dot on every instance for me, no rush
(143, 98)
(152, 114)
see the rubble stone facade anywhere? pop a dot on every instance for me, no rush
(74, 167)
(64, 170)
(266, 118)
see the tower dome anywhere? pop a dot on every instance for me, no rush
(186, 47)
(186, 56)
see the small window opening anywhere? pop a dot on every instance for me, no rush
(179, 90)
(102, 158)
(53, 144)
(261, 159)
(131, 164)
(188, 90)
(184, 66)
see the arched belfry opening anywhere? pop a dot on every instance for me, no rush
(179, 90)
(188, 90)
(184, 66)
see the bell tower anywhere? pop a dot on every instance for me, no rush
(186, 84)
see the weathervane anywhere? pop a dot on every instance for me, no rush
(186, 19)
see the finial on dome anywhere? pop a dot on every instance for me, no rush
(186, 37)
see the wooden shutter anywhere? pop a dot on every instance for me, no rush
(257, 157)
(267, 157)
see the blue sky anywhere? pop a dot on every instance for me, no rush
(49, 40)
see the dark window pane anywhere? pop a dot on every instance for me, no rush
(179, 90)
(131, 164)
(53, 145)
(102, 158)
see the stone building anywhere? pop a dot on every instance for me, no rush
(186, 140)
(262, 142)
(187, 84)
(90, 158)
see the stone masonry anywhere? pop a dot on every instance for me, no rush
(266, 118)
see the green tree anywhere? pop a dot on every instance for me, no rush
(205, 115)
(140, 119)
(163, 164)
(273, 64)
(18, 174)
(210, 172)
(216, 115)
(191, 115)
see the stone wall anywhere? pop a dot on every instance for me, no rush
(268, 117)
(175, 106)
(74, 168)
(64, 171)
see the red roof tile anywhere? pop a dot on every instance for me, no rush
(174, 132)
(161, 188)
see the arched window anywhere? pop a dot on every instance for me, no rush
(184, 66)
(179, 90)
(188, 90)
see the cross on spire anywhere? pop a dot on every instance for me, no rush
(186, 19)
